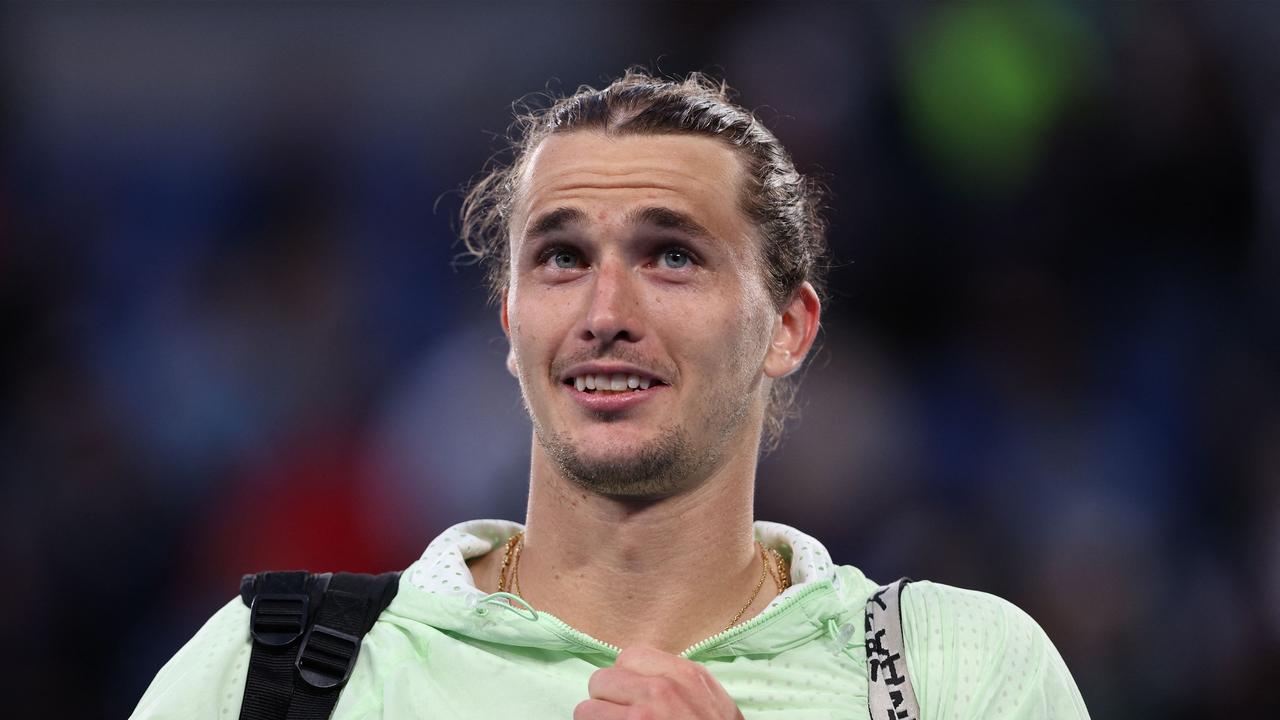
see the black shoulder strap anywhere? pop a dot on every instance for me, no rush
(306, 635)
(890, 695)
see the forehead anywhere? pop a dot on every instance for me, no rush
(611, 174)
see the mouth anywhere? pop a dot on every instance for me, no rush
(605, 384)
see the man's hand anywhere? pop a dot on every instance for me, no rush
(647, 684)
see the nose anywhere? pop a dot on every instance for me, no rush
(614, 311)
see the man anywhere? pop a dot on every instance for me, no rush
(656, 259)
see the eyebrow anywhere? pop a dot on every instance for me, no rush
(554, 221)
(656, 216)
(669, 219)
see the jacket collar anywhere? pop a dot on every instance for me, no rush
(439, 590)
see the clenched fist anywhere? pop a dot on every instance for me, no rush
(648, 684)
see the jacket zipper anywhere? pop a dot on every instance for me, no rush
(563, 628)
(760, 619)
(586, 640)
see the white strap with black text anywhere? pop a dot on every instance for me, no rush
(889, 692)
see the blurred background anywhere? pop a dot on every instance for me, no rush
(234, 337)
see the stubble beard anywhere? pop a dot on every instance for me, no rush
(658, 469)
(666, 466)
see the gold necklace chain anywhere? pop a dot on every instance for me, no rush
(515, 567)
(764, 570)
(781, 580)
(783, 577)
(506, 560)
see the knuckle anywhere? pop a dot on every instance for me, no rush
(664, 689)
(595, 681)
(631, 654)
(693, 673)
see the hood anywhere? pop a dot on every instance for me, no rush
(438, 590)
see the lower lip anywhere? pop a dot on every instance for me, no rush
(612, 402)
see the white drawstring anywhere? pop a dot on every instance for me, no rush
(476, 602)
(839, 637)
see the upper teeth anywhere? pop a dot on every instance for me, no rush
(616, 381)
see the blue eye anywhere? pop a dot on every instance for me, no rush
(675, 258)
(564, 259)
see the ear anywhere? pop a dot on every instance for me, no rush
(794, 330)
(506, 330)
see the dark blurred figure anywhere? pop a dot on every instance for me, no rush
(1053, 353)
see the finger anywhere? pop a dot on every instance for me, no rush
(652, 662)
(645, 660)
(686, 678)
(617, 685)
(599, 710)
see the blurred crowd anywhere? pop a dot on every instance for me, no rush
(236, 335)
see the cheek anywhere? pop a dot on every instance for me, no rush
(731, 343)
(525, 346)
(534, 329)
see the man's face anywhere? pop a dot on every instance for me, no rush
(636, 310)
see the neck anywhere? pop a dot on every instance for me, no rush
(665, 573)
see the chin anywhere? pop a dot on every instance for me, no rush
(620, 464)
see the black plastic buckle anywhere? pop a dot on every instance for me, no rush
(327, 657)
(278, 620)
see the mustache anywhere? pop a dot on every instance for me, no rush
(617, 354)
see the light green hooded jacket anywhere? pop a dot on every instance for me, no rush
(443, 649)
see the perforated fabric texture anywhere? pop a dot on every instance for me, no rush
(205, 679)
(441, 651)
(979, 656)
